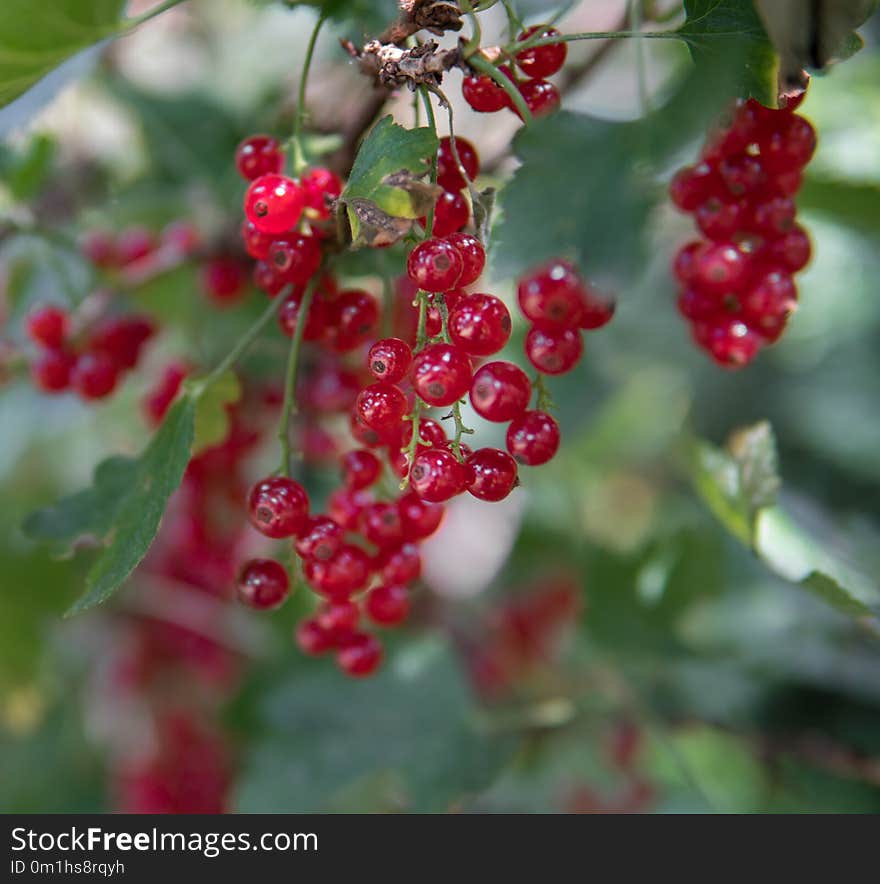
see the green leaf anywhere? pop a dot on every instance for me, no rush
(324, 734)
(37, 37)
(212, 414)
(853, 203)
(385, 191)
(733, 26)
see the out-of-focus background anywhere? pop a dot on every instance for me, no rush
(599, 642)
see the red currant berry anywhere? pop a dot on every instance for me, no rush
(495, 474)
(256, 243)
(159, 399)
(338, 619)
(719, 220)
(684, 265)
(479, 325)
(434, 265)
(553, 293)
(773, 217)
(278, 507)
(94, 375)
(319, 184)
(693, 185)
(267, 279)
(696, 305)
(449, 175)
(311, 639)
(52, 370)
(541, 61)
(99, 247)
(500, 391)
(121, 338)
(320, 538)
(223, 279)
(553, 350)
(48, 326)
(791, 145)
(437, 475)
(720, 267)
(387, 604)
(317, 319)
(402, 565)
(342, 574)
(742, 175)
(418, 518)
(381, 524)
(792, 250)
(345, 506)
(533, 438)
(483, 94)
(729, 342)
(473, 257)
(540, 97)
(441, 374)
(381, 406)
(274, 203)
(451, 213)
(295, 257)
(263, 584)
(361, 656)
(771, 298)
(596, 311)
(354, 315)
(259, 155)
(389, 360)
(360, 469)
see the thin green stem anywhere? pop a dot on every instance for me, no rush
(299, 160)
(432, 123)
(539, 40)
(636, 13)
(543, 399)
(486, 67)
(476, 34)
(415, 416)
(514, 24)
(288, 409)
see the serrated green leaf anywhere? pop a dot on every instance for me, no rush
(37, 37)
(159, 471)
(212, 413)
(733, 26)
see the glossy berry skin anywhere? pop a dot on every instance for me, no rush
(263, 584)
(437, 475)
(345, 506)
(274, 203)
(95, 375)
(295, 257)
(223, 279)
(278, 507)
(418, 518)
(354, 314)
(533, 438)
(473, 257)
(684, 264)
(451, 213)
(51, 371)
(256, 243)
(402, 565)
(381, 406)
(381, 524)
(541, 97)
(773, 217)
(792, 250)
(500, 391)
(720, 267)
(48, 326)
(360, 469)
(312, 639)
(338, 619)
(596, 311)
(342, 574)
(449, 175)
(541, 61)
(553, 350)
(317, 318)
(319, 184)
(495, 474)
(441, 374)
(320, 538)
(258, 155)
(691, 186)
(389, 360)
(387, 604)
(361, 656)
(729, 342)
(719, 220)
(483, 94)
(479, 325)
(267, 279)
(552, 294)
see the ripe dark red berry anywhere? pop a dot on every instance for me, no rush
(361, 655)
(389, 360)
(295, 257)
(720, 267)
(437, 475)
(541, 61)
(312, 639)
(541, 97)
(500, 391)
(360, 469)
(320, 185)
(48, 326)
(344, 573)
(553, 350)
(94, 375)
(441, 374)
(317, 319)
(418, 518)
(52, 369)
(552, 293)
(263, 584)
(402, 565)
(259, 155)
(495, 474)
(693, 185)
(449, 175)
(479, 325)
(256, 243)
(387, 604)
(338, 619)
(274, 203)
(533, 438)
(451, 213)
(278, 507)
(483, 94)
(320, 538)
(381, 406)
(381, 524)
(473, 257)
(354, 315)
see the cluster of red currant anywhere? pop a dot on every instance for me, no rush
(536, 63)
(737, 285)
(90, 362)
